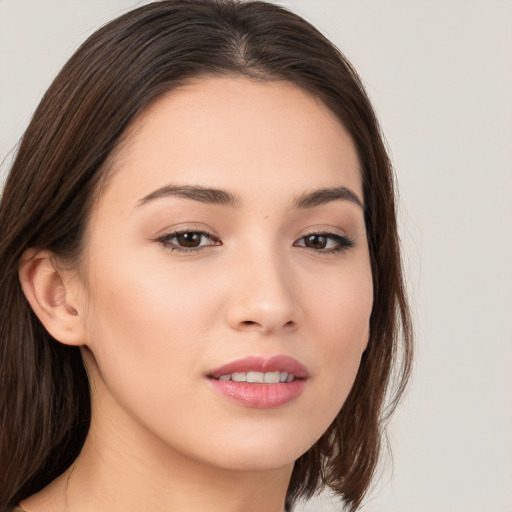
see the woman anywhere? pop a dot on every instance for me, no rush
(201, 291)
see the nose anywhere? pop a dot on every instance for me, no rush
(262, 298)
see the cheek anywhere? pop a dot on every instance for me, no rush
(147, 335)
(148, 313)
(340, 306)
(340, 318)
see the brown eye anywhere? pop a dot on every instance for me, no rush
(325, 242)
(189, 239)
(315, 241)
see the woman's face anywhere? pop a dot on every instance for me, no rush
(231, 230)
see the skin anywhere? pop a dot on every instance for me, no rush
(154, 321)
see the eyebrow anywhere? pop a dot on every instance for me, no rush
(326, 195)
(225, 198)
(196, 193)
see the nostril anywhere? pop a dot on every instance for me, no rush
(253, 324)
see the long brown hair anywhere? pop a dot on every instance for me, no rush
(113, 76)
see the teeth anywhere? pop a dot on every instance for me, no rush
(259, 377)
(271, 377)
(255, 377)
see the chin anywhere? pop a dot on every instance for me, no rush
(249, 462)
(258, 453)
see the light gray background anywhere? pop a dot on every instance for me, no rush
(440, 75)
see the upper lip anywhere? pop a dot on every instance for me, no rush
(276, 363)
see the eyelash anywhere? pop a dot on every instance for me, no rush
(343, 242)
(166, 240)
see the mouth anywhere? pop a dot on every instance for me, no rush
(258, 369)
(258, 377)
(260, 382)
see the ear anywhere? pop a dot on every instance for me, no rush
(52, 293)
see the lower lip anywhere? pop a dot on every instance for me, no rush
(259, 396)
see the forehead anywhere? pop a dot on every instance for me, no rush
(237, 134)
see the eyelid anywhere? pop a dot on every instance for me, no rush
(187, 227)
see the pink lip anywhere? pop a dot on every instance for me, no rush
(258, 395)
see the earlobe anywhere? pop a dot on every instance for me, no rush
(52, 296)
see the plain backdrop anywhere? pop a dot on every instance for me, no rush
(440, 75)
